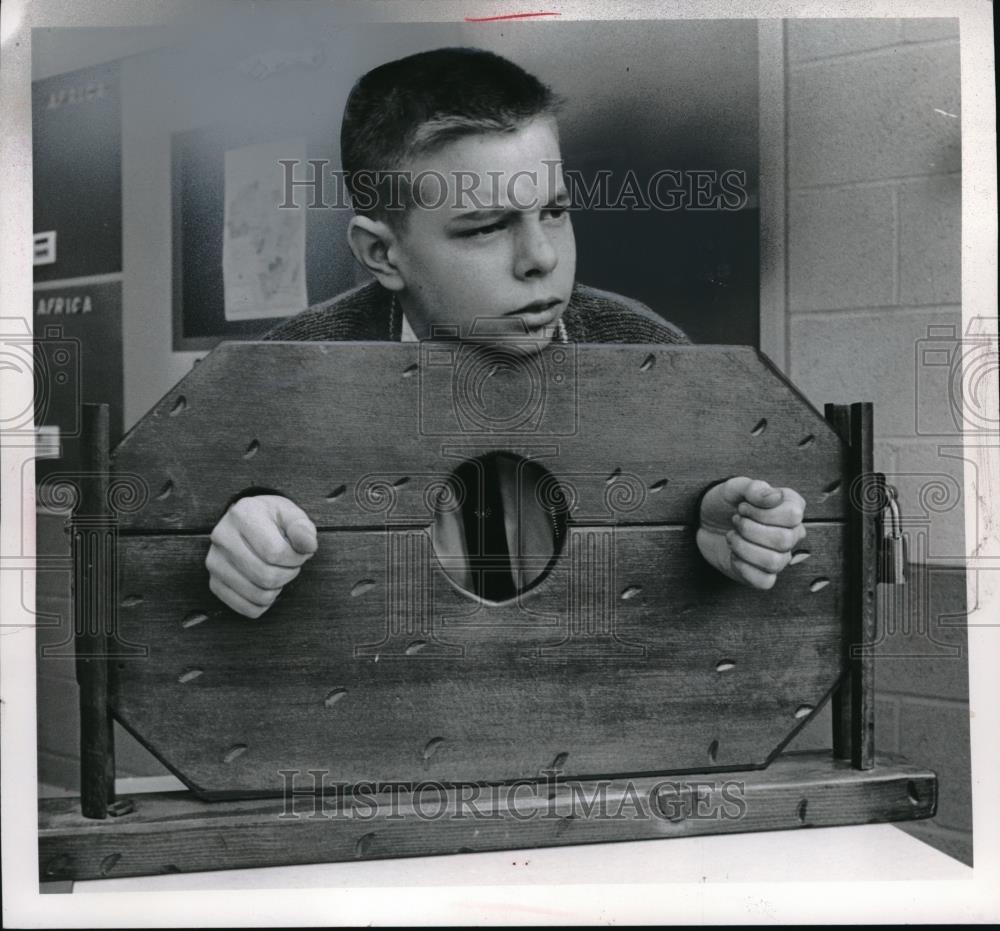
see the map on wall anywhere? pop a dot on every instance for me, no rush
(264, 243)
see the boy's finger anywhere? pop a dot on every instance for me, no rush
(263, 574)
(734, 489)
(760, 557)
(781, 539)
(243, 557)
(301, 533)
(296, 526)
(259, 521)
(233, 600)
(752, 575)
(223, 571)
(755, 491)
(260, 530)
(786, 514)
(762, 495)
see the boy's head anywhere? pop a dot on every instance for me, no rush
(453, 163)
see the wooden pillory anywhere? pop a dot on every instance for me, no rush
(378, 710)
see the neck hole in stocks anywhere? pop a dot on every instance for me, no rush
(499, 525)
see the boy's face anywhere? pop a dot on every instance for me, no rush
(501, 245)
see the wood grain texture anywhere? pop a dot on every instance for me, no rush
(177, 833)
(409, 677)
(335, 427)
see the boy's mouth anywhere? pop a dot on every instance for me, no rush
(538, 313)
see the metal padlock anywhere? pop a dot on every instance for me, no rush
(892, 546)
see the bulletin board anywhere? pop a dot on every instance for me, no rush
(240, 266)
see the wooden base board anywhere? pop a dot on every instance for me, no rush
(175, 832)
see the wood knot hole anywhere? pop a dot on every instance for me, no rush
(724, 665)
(631, 592)
(190, 675)
(830, 490)
(364, 845)
(58, 865)
(803, 711)
(361, 587)
(251, 449)
(333, 697)
(563, 825)
(647, 363)
(194, 619)
(713, 751)
(180, 405)
(760, 427)
(235, 752)
(817, 585)
(431, 747)
(336, 493)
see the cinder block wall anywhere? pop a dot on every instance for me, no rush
(873, 180)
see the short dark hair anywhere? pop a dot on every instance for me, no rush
(413, 105)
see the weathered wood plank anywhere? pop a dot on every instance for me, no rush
(178, 833)
(335, 426)
(688, 671)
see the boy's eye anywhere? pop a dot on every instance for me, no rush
(484, 230)
(555, 213)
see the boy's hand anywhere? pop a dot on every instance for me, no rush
(257, 548)
(749, 529)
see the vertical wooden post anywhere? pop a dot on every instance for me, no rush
(94, 567)
(863, 562)
(839, 417)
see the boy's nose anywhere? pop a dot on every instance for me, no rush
(535, 256)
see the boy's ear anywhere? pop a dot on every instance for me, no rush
(373, 243)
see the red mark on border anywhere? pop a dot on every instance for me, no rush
(493, 19)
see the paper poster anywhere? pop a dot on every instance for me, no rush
(264, 244)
